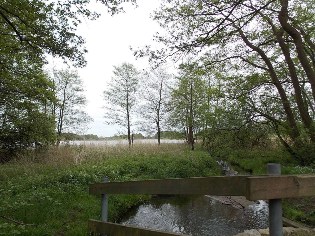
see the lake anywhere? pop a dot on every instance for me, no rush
(119, 142)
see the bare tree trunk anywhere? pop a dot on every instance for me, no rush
(158, 113)
(298, 42)
(128, 130)
(190, 120)
(191, 137)
(187, 125)
(128, 120)
(300, 101)
(158, 133)
(302, 107)
(60, 120)
(294, 131)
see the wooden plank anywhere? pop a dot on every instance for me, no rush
(290, 223)
(122, 230)
(276, 187)
(219, 186)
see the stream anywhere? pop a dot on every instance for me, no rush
(200, 215)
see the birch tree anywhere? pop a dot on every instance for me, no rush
(155, 94)
(270, 40)
(120, 97)
(71, 101)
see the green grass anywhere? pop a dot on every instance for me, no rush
(47, 193)
(255, 162)
(301, 210)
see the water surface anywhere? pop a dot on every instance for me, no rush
(198, 216)
(119, 142)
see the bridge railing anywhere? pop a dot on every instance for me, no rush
(272, 188)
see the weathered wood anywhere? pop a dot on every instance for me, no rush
(277, 187)
(290, 223)
(219, 186)
(111, 229)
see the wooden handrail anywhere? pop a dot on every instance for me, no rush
(272, 187)
(252, 187)
(218, 185)
(277, 187)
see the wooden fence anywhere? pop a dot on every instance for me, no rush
(271, 188)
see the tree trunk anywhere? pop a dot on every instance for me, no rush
(128, 120)
(158, 133)
(294, 131)
(61, 116)
(302, 107)
(128, 131)
(298, 42)
(60, 124)
(190, 120)
(191, 141)
(158, 113)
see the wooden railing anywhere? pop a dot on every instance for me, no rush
(271, 188)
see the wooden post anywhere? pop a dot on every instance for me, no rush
(104, 215)
(275, 205)
(104, 205)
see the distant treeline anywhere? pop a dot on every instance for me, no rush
(171, 135)
(72, 136)
(164, 135)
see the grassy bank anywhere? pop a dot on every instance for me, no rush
(47, 193)
(255, 161)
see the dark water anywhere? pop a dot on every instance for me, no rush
(198, 216)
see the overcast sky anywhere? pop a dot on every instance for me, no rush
(108, 40)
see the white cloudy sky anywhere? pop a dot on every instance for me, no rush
(108, 40)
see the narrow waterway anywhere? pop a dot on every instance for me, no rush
(198, 216)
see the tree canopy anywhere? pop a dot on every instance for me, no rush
(154, 95)
(69, 108)
(121, 97)
(264, 49)
(29, 31)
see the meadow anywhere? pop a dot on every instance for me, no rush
(46, 193)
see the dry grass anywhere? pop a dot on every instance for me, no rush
(49, 188)
(78, 154)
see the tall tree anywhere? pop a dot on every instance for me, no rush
(188, 100)
(120, 97)
(24, 121)
(253, 39)
(68, 110)
(29, 31)
(40, 26)
(154, 93)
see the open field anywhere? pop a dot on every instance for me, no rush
(47, 193)
(122, 142)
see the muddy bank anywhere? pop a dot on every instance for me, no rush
(238, 202)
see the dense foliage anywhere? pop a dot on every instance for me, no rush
(25, 120)
(258, 62)
(29, 31)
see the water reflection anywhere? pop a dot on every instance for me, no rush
(198, 216)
